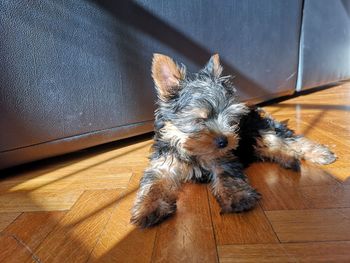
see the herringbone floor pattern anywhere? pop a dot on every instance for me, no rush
(76, 208)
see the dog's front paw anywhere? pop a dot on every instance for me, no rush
(239, 201)
(322, 155)
(146, 214)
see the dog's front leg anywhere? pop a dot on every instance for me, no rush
(231, 188)
(156, 198)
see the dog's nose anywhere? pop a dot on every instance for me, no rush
(221, 142)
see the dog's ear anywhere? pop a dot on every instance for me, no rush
(213, 66)
(166, 76)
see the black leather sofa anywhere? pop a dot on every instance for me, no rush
(76, 73)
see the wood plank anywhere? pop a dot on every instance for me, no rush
(311, 225)
(278, 186)
(12, 250)
(281, 197)
(121, 241)
(327, 196)
(344, 175)
(70, 182)
(77, 233)
(32, 227)
(242, 228)
(29, 230)
(6, 219)
(289, 252)
(272, 174)
(188, 236)
(38, 200)
(110, 165)
(281, 189)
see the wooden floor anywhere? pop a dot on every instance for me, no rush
(76, 208)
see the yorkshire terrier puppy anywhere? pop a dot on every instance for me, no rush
(204, 133)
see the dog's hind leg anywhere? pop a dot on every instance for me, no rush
(276, 142)
(311, 151)
(289, 150)
(270, 147)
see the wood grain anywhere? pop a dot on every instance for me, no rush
(241, 228)
(37, 226)
(121, 241)
(279, 188)
(12, 250)
(29, 230)
(327, 196)
(77, 233)
(81, 181)
(311, 225)
(293, 252)
(188, 236)
(6, 219)
(38, 200)
(269, 174)
(282, 189)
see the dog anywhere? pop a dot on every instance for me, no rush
(203, 133)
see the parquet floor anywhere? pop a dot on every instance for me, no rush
(76, 208)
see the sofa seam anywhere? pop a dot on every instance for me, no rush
(78, 135)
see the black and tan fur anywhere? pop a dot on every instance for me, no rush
(203, 133)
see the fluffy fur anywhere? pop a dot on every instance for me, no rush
(204, 133)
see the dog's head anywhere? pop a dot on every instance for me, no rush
(197, 114)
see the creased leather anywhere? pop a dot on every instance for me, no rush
(75, 67)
